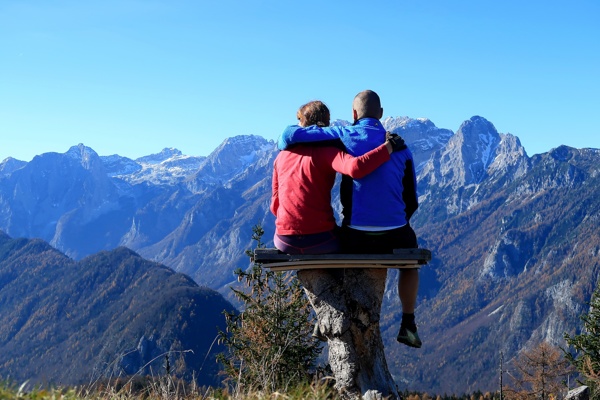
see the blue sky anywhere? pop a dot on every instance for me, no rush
(132, 77)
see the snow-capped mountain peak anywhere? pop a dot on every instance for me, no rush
(232, 157)
(167, 167)
(421, 135)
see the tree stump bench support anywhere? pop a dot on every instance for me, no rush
(346, 291)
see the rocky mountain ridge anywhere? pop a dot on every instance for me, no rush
(514, 237)
(515, 266)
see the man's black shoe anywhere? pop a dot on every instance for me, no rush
(409, 337)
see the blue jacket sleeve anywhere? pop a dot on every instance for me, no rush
(294, 134)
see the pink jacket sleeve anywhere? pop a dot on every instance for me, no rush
(275, 191)
(359, 167)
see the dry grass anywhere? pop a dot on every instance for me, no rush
(162, 388)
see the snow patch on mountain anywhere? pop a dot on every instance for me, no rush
(497, 310)
(168, 167)
(486, 153)
(168, 153)
(117, 166)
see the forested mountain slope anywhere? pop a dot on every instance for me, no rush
(110, 314)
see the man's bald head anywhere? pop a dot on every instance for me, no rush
(367, 105)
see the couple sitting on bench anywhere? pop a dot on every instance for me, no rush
(378, 192)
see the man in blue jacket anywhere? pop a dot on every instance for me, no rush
(376, 208)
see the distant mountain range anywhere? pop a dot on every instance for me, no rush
(109, 315)
(515, 238)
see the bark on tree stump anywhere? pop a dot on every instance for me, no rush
(346, 291)
(348, 306)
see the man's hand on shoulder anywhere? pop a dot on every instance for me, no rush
(396, 141)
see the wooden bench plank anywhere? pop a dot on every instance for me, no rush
(401, 258)
(273, 255)
(298, 265)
